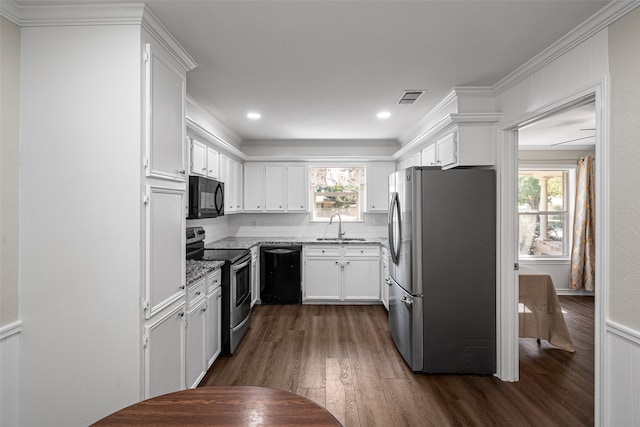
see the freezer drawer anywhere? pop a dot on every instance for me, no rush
(405, 324)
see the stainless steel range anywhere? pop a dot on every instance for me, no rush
(236, 286)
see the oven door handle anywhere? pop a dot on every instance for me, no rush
(235, 268)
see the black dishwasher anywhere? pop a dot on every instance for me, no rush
(280, 277)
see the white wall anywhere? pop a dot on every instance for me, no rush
(622, 341)
(80, 204)
(571, 70)
(298, 225)
(10, 101)
(9, 219)
(214, 228)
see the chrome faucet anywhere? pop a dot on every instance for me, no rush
(340, 232)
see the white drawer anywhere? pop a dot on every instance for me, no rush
(195, 292)
(332, 251)
(214, 280)
(356, 251)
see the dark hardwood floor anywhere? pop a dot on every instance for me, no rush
(343, 358)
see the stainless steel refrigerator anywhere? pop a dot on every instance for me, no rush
(442, 272)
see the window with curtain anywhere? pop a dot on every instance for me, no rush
(544, 212)
(337, 189)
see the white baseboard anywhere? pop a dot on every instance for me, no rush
(575, 292)
(9, 364)
(621, 382)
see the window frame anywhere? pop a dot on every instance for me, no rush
(569, 195)
(361, 192)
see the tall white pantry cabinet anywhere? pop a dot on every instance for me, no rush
(163, 297)
(102, 188)
(164, 294)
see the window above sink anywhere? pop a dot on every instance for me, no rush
(337, 189)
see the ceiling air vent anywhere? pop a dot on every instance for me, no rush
(410, 96)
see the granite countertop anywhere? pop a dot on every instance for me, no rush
(196, 270)
(249, 242)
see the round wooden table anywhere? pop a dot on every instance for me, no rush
(223, 406)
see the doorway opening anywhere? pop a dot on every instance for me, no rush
(556, 303)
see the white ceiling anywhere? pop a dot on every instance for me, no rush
(572, 129)
(323, 69)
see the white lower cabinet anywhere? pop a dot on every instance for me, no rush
(164, 344)
(342, 273)
(195, 343)
(323, 279)
(203, 341)
(214, 319)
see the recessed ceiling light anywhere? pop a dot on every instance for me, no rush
(254, 116)
(384, 115)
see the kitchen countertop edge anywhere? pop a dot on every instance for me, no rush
(249, 242)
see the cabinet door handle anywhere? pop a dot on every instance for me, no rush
(198, 293)
(182, 172)
(203, 309)
(181, 287)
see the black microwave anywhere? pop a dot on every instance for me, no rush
(206, 198)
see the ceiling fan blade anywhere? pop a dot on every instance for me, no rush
(572, 140)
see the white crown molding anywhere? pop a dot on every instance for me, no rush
(462, 118)
(9, 10)
(197, 130)
(47, 15)
(10, 330)
(194, 105)
(77, 14)
(320, 159)
(435, 114)
(601, 20)
(159, 32)
(473, 91)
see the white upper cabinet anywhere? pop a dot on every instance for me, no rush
(275, 188)
(470, 144)
(297, 188)
(213, 163)
(198, 158)
(231, 175)
(444, 152)
(378, 187)
(254, 195)
(165, 115)
(204, 160)
(236, 191)
(429, 157)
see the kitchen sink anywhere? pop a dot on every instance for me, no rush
(344, 239)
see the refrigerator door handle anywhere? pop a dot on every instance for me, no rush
(394, 218)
